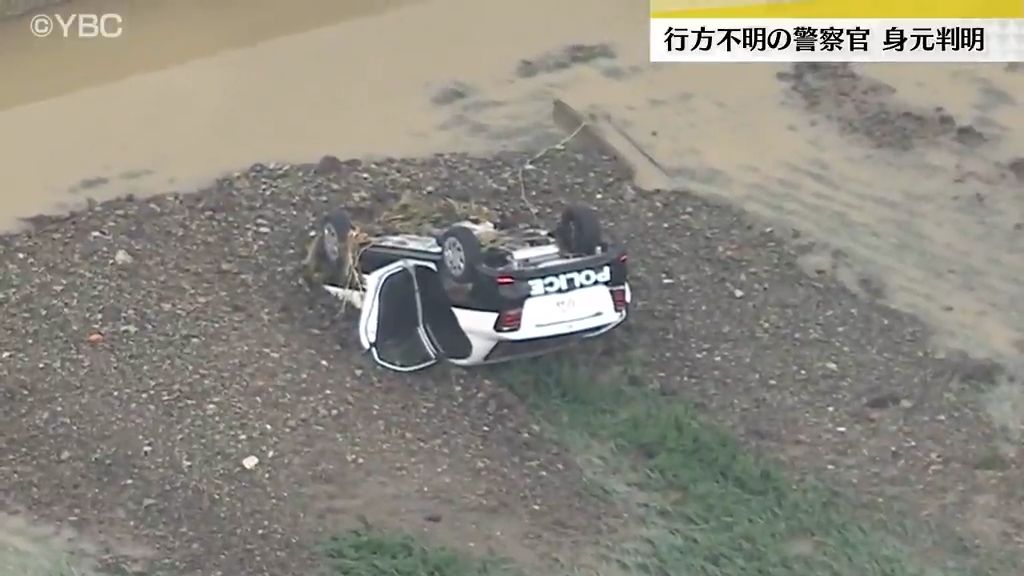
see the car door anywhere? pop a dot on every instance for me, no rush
(440, 323)
(391, 321)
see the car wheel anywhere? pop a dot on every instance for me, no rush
(579, 230)
(460, 254)
(332, 249)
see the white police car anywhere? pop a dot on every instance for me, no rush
(473, 293)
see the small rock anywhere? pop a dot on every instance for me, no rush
(95, 338)
(122, 257)
(738, 293)
(328, 165)
(147, 502)
(64, 455)
(250, 462)
(1016, 168)
(882, 401)
(88, 183)
(832, 366)
(969, 136)
(451, 93)
(432, 518)
(977, 370)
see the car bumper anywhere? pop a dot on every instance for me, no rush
(490, 346)
(511, 349)
(493, 348)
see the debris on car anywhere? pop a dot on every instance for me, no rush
(470, 292)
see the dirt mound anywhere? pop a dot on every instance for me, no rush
(565, 58)
(863, 106)
(151, 347)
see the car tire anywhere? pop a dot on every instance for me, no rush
(460, 255)
(332, 251)
(579, 230)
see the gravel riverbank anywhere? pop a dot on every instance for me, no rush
(149, 346)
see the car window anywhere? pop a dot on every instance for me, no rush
(398, 338)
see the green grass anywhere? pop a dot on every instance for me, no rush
(15, 561)
(709, 508)
(371, 552)
(706, 507)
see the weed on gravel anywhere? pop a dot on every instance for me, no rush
(372, 552)
(706, 507)
(18, 562)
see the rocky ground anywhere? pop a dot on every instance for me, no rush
(149, 347)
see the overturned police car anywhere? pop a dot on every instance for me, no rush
(473, 293)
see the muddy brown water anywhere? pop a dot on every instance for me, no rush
(195, 88)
